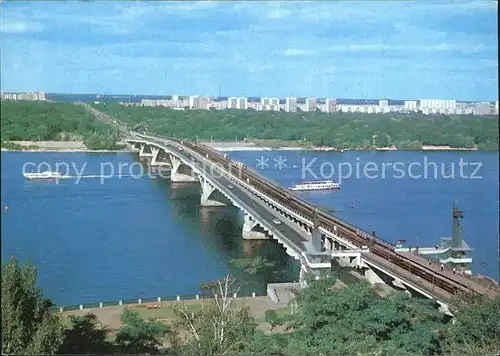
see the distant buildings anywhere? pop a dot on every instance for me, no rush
(483, 108)
(237, 103)
(426, 106)
(291, 105)
(270, 104)
(384, 106)
(331, 105)
(31, 96)
(436, 106)
(199, 102)
(310, 104)
(410, 105)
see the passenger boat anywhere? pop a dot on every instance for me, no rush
(43, 175)
(316, 185)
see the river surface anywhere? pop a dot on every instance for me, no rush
(105, 239)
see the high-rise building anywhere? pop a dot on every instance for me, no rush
(311, 104)
(439, 105)
(483, 108)
(331, 105)
(191, 101)
(272, 104)
(383, 103)
(232, 103)
(411, 105)
(201, 103)
(291, 105)
(175, 97)
(242, 103)
(496, 108)
(237, 103)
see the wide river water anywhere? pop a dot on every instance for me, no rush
(97, 239)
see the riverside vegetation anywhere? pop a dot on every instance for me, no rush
(326, 321)
(340, 130)
(47, 121)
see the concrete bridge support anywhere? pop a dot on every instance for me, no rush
(158, 159)
(316, 239)
(176, 176)
(145, 151)
(250, 230)
(372, 277)
(208, 193)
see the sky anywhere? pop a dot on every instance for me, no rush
(357, 49)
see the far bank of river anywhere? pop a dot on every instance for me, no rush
(56, 146)
(79, 146)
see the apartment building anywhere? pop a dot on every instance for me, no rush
(237, 103)
(331, 105)
(310, 104)
(291, 105)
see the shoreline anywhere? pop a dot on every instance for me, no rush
(256, 149)
(249, 149)
(65, 150)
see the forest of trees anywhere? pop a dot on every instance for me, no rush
(46, 121)
(341, 130)
(326, 321)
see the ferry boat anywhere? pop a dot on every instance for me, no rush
(316, 185)
(43, 175)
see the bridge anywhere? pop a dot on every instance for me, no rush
(309, 235)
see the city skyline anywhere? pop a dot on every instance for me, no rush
(445, 50)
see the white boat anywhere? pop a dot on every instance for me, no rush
(43, 175)
(316, 185)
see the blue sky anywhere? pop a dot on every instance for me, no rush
(395, 49)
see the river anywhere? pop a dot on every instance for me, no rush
(97, 239)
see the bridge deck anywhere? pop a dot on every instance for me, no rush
(290, 230)
(468, 281)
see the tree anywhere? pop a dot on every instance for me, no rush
(220, 328)
(273, 318)
(140, 336)
(28, 326)
(86, 335)
(252, 266)
(475, 330)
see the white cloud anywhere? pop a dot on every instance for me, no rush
(322, 45)
(298, 52)
(8, 26)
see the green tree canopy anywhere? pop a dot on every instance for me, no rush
(140, 336)
(342, 130)
(28, 326)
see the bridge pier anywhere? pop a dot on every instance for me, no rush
(176, 176)
(316, 239)
(157, 159)
(372, 277)
(145, 151)
(207, 194)
(250, 230)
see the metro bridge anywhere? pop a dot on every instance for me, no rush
(309, 235)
